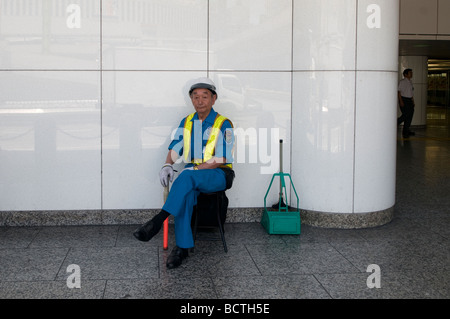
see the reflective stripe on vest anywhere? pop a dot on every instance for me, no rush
(210, 144)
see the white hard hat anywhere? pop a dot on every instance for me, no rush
(203, 83)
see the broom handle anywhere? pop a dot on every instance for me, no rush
(281, 165)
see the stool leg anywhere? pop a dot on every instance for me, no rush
(219, 221)
(195, 213)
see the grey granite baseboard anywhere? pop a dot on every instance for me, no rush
(347, 220)
(139, 216)
(105, 217)
(75, 217)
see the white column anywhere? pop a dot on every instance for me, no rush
(344, 111)
(419, 65)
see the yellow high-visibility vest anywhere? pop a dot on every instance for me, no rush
(210, 144)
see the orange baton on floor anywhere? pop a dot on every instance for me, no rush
(166, 234)
(166, 222)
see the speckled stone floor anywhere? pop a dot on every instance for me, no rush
(412, 251)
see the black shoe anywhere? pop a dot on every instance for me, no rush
(410, 133)
(146, 231)
(176, 257)
(405, 135)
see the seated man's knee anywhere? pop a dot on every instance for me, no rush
(185, 176)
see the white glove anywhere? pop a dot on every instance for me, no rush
(166, 174)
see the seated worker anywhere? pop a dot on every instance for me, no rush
(206, 140)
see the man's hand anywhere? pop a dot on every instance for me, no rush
(166, 174)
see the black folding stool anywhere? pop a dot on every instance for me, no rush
(215, 219)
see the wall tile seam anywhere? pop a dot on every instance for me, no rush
(205, 70)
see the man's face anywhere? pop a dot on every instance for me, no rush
(203, 100)
(409, 75)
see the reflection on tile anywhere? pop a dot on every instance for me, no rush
(19, 237)
(141, 112)
(76, 236)
(269, 287)
(51, 150)
(397, 229)
(400, 285)
(50, 35)
(324, 40)
(31, 264)
(374, 167)
(299, 259)
(162, 35)
(209, 259)
(377, 39)
(250, 233)
(250, 35)
(437, 225)
(311, 234)
(90, 289)
(323, 126)
(248, 99)
(180, 288)
(112, 263)
(394, 255)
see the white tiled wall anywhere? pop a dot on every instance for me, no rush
(345, 61)
(375, 158)
(50, 140)
(91, 91)
(324, 35)
(250, 35)
(155, 35)
(421, 19)
(323, 131)
(43, 35)
(377, 27)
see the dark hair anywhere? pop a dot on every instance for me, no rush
(407, 71)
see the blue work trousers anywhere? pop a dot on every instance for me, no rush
(183, 197)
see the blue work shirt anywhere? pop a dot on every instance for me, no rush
(224, 145)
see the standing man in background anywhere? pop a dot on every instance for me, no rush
(406, 101)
